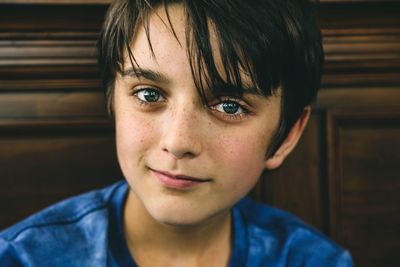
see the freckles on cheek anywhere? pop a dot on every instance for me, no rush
(240, 152)
(136, 129)
(133, 144)
(236, 148)
(132, 136)
(237, 151)
(242, 165)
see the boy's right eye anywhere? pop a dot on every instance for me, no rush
(149, 95)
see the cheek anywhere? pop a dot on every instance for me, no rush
(243, 156)
(132, 139)
(244, 145)
(132, 131)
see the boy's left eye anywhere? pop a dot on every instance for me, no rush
(229, 107)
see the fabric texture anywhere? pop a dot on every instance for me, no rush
(87, 231)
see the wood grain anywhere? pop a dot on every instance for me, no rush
(364, 184)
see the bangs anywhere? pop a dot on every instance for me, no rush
(234, 75)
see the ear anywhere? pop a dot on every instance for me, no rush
(290, 142)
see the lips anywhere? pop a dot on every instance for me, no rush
(178, 181)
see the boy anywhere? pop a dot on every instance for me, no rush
(205, 95)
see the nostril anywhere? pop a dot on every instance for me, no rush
(180, 153)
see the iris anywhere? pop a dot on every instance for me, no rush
(151, 95)
(230, 107)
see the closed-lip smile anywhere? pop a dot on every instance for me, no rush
(178, 181)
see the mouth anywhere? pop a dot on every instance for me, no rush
(178, 181)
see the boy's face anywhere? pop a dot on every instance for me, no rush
(185, 162)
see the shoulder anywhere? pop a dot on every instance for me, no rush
(278, 237)
(64, 227)
(64, 213)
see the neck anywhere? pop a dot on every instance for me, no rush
(150, 239)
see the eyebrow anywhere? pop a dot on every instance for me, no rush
(147, 74)
(158, 77)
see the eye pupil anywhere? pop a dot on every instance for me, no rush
(151, 95)
(230, 107)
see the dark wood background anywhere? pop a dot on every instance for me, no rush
(343, 178)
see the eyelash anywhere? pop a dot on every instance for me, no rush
(245, 109)
(136, 91)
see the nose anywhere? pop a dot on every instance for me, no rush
(182, 133)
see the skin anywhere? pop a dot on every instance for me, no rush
(175, 134)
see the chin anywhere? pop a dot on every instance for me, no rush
(178, 218)
(183, 216)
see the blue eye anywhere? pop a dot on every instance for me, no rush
(149, 95)
(230, 107)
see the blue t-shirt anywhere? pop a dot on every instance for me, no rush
(87, 230)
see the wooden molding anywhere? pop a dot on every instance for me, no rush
(52, 125)
(356, 98)
(47, 52)
(57, 104)
(361, 42)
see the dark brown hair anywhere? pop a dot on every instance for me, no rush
(276, 42)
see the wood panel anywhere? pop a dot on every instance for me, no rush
(44, 162)
(364, 184)
(55, 138)
(52, 105)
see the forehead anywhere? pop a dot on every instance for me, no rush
(165, 41)
(159, 47)
(161, 32)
